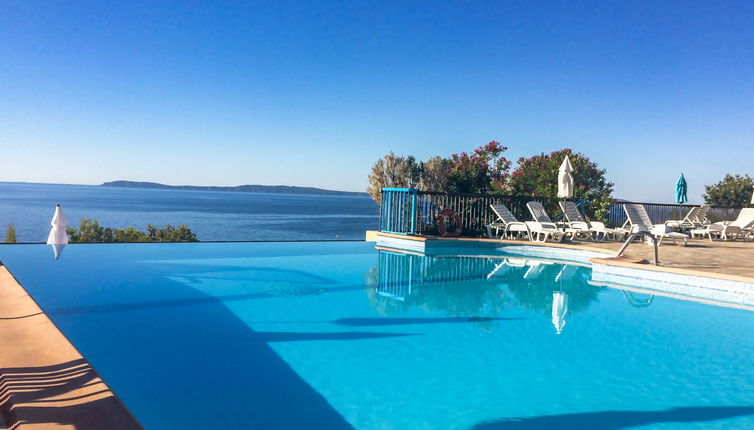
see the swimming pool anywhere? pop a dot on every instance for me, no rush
(341, 335)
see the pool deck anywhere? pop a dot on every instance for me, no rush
(718, 257)
(45, 383)
(700, 257)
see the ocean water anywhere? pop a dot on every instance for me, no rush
(212, 215)
(340, 335)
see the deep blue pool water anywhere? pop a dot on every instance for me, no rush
(212, 215)
(341, 335)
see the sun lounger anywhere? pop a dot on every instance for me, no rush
(597, 229)
(506, 222)
(640, 221)
(742, 227)
(696, 218)
(542, 228)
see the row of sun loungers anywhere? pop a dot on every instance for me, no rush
(575, 227)
(542, 228)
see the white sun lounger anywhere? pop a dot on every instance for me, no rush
(542, 228)
(506, 222)
(742, 227)
(696, 218)
(640, 221)
(597, 229)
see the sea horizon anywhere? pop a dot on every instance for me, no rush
(212, 215)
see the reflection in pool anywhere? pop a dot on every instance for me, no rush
(479, 287)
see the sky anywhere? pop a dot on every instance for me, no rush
(312, 93)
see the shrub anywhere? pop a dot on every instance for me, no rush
(90, 231)
(731, 191)
(10, 234)
(537, 176)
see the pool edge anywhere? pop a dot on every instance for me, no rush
(45, 382)
(603, 263)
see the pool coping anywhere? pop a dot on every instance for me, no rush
(45, 382)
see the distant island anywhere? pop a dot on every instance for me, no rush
(279, 189)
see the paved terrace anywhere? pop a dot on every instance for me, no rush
(44, 382)
(727, 258)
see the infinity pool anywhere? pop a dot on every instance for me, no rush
(341, 335)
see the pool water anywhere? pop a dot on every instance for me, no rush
(341, 335)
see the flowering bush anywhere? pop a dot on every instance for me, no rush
(483, 170)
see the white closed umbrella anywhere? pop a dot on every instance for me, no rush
(752, 198)
(58, 238)
(565, 179)
(559, 310)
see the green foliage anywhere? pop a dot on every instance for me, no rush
(131, 234)
(486, 170)
(170, 234)
(393, 171)
(10, 234)
(483, 170)
(90, 231)
(434, 174)
(732, 191)
(537, 176)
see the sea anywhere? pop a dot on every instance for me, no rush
(212, 215)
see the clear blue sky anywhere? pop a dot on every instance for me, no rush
(313, 92)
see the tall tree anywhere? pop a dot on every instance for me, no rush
(434, 174)
(731, 191)
(538, 176)
(393, 171)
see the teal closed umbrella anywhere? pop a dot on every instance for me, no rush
(680, 190)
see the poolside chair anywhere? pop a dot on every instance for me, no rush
(542, 228)
(507, 222)
(597, 229)
(640, 221)
(696, 218)
(742, 227)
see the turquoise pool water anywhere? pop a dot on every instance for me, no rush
(340, 335)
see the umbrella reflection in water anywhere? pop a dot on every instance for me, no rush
(559, 304)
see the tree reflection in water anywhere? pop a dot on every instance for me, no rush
(474, 287)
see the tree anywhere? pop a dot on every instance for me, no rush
(10, 234)
(537, 176)
(483, 170)
(90, 231)
(393, 171)
(170, 234)
(130, 234)
(434, 174)
(732, 191)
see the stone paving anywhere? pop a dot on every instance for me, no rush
(729, 258)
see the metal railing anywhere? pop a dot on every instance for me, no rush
(413, 212)
(398, 210)
(409, 211)
(661, 212)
